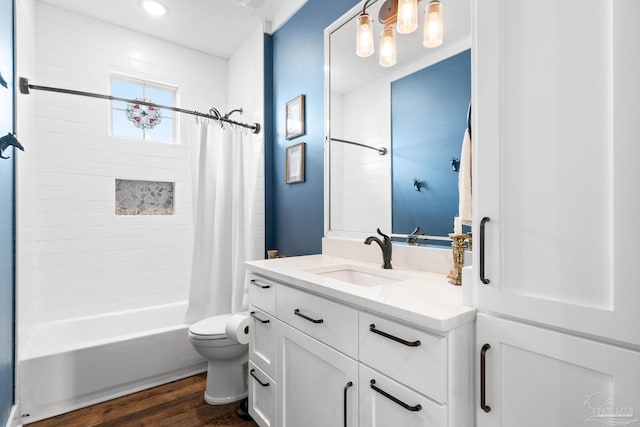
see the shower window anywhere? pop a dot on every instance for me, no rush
(136, 121)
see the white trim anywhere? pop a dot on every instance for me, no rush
(13, 420)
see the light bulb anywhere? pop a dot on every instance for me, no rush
(154, 8)
(364, 36)
(387, 47)
(407, 16)
(433, 24)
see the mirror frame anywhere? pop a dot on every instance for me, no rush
(444, 52)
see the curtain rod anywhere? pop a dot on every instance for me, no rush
(382, 151)
(25, 88)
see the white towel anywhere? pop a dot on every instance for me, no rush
(464, 181)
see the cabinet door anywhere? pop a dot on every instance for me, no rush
(556, 101)
(384, 403)
(317, 386)
(538, 377)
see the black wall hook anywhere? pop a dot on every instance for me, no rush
(6, 141)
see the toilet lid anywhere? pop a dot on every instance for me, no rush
(212, 327)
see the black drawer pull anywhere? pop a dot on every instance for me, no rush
(372, 328)
(483, 222)
(258, 379)
(395, 399)
(346, 387)
(297, 313)
(258, 284)
(483, 379)
(253, 314)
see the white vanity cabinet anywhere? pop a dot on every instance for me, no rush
(556, 106)
(339, 364)
(555, 102)
(539, 377)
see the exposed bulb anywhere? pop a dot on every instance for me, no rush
(433, 24)
(387, 47)
(407, 16)
(364, 36)
(154, 8)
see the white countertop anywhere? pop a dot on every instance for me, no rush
(424, 299)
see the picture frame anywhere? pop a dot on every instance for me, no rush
(295, 117)
(295, 163)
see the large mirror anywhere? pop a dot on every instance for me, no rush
(416, 110)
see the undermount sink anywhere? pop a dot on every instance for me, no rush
(357, 275)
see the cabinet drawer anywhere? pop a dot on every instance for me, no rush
(262, 341)
(262, 293)
(384, 402)
(420, 361)
(263, 391)
(327, 321)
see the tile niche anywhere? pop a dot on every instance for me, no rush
(135, 197)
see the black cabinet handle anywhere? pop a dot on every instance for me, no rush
(258, 284)
(483, 379)
(297, 313)
(395, 399)
(253, 314)
(484, 221)
(251, 372)
(372, 328)
(346, 387)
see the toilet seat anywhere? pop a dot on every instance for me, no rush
(212, 328)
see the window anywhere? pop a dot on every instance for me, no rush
(142, 122)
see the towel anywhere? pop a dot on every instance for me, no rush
(464, 181)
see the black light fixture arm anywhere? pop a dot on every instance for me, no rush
(26, 87)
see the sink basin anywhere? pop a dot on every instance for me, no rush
(361, 276)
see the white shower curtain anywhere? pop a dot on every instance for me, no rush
(222, 215)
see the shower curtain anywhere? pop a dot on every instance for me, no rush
(222, 216)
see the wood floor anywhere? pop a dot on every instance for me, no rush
(180, 403)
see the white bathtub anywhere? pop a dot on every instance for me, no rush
(74, 363)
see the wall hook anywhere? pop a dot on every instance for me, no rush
(6, 141)
(419, 184)
(455, 164)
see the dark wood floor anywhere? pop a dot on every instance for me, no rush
(180, 403)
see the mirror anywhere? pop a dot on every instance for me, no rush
(417, 110)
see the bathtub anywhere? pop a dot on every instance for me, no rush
(74, 363)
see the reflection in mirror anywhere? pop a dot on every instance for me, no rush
(362, 99)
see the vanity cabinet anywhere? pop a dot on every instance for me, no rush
(337, 364)
(556, 152)
(536, 376)
(555, 185)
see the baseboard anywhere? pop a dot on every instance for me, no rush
(14, 417)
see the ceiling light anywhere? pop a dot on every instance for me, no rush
(404, 15)
(154, 8)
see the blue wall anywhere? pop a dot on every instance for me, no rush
(429, 110)
(6, 217)
(295, 219)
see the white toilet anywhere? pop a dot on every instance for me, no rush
(227, 371)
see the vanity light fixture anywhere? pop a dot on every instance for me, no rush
(154, 8)
(404, 14)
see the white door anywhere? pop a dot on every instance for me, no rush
(556, 103)
(538, 377)
(317, 386)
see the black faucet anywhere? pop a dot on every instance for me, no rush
(386, 248)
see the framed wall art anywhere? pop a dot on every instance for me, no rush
(295, 117)
(295, 163)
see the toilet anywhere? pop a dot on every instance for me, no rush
(227, 370)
